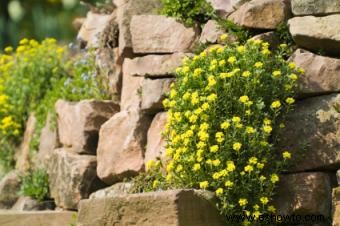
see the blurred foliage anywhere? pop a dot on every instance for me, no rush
(35, 185)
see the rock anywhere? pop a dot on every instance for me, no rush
(153, 93)
(29, 204)
(155, 147)
(336, 206)
(72, 177)
(224, 7)
(9, 189)
(154, 66)
(160, 34)
(261, 14)
(270, 37)
(120, 151)
(171, 208)
(125, 10)
(338, 177)
(47, 143)
(211, 32)
(322, 74)
(79, 123)
(37, 218)
(304, 194)
(23, 156)
(315, 7)
(131, 90)
(112, 191)
(96, 28)
(110, 66)
(316, 122)
(316, 33)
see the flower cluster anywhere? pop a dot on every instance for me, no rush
(222, 111)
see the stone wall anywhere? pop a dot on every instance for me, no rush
(100, 143)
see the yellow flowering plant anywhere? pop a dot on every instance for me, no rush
(223, 113)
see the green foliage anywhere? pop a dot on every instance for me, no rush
(35, 184)
(233, 29)
(282, 31)
(224, 112)
(188, 11)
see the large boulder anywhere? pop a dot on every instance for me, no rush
(304, 194)
(153, 93)
(79, 123)
(171, 208)
(336, 206)
(211, 32)
(72, 177)
(315, 7)
(322, 74)
(9, 189)
(160, 34)
(224, 7)
(97, 29)
(22, 156)
(317, 33)
(261, 14)
(155, 66)
(121, 146)
(316, 124)
(126, 9)
(155, 147)
(112, 191)
(131, 89)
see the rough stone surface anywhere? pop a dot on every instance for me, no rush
(336, 206)
(316, 124)
(317, 33)
(23, 156)
(315, 7)
(153, 93)
(122, 140)
(261, 14)
(304, 194)
(160, 34)
(211, 32)
(29, 204)
(131, 91)
(47, 143)
(322, 74)
(94, 28)
(37, 218)
(270, 37)
(72, 177)
(112, 191)
(125, 10)
(171, 208)
(338, 177)
(79, 123)
(9, 188)
(224, 7)
(155, 147)
(154, 66)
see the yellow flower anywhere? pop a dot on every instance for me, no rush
(237, 146)
(155, 184)
(211, 81)
(168, 177)
(265, 52)
(197, 72)
(260, 165)
(216, 176)
(256, 214)
(179, 168)
(267, 129)
(236, 119)
(8, 49)
(286, 155)
(229, 184)
(204, 184)
(21, 49)
(173, 93)
(150, 164)
(267, 121)
(212, 97)
(264, 200)
(258, 65)
(216, 162)
(293, 77)
(271, 209)
(23, 41)
(224, 37)
(231, 166)
(201, 144)
(292, 65)
(243, 202)
(196, 167)
(214, 148)
(225, 125)
(193, 118)
(290, 100)
(250, 130)
(219, 191)
(169, 152)
(246, 74)
(301, 71)
(204, 126)
(283, 46)
(256, 207)
(253, 160)
(221, 63)
(232, 60)
(185, 69)
(262, 178)
(205, 106)
(170, 166)
(248, 168)
(275, 104)
(274, 178)
(276, 74)
(186, 96)
(203, 54)
(241, 49)
(219, 137)
(244, 99)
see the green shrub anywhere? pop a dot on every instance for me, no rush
(35, 184)
(224, 112)
(188, 11)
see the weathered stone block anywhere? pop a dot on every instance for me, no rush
(211, 32)
(170, 208)
(336, 206)
(112, 191)
(72, 177)
(131, 90)
(160, 34)
(79, 123)
(315, 7)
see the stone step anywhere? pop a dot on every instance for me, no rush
(37, 218)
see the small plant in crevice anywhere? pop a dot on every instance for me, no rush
(282, 31)
(224, 112)
(239, 32)
(35, 184)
